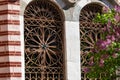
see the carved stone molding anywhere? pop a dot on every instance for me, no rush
(72, 1)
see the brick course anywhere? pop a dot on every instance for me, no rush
(10, 43)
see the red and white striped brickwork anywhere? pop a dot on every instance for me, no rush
(10, 51)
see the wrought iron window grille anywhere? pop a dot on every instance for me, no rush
(90, 32)
(44, 46)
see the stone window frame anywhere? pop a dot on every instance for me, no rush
(22, 34)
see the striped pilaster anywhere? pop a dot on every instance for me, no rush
(10, 52)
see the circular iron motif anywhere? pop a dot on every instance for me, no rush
(42, 47)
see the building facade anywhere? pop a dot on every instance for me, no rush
(40, 39)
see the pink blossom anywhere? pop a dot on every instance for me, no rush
(108, 26)
(104, 29)
(117, 34)
(105, 9)
(117, 17)
(86, 69)
(117, 8)
(94, 50)
(108, 42)
(117, 49)
(111, 37)
(91, 63)
(104, 56)
(115, 55)
(101, 63)
(101, 44)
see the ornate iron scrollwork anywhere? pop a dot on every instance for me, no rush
(44, 52)
(90, 32)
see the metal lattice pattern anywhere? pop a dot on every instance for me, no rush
(90, 32)
(43, 41)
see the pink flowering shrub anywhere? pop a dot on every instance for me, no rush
(104, 59)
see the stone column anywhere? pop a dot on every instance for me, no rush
(10, 52)
(72, 50)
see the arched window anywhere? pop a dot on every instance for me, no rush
(90, 32)
(44, 41)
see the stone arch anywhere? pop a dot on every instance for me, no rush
(80, 5)
(90, 32)
(44, 41)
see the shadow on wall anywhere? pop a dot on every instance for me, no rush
(66, 4)
(110, 3)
